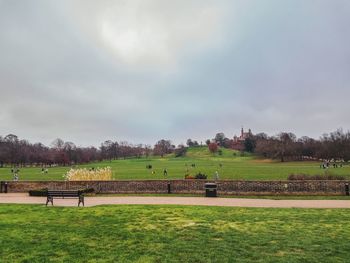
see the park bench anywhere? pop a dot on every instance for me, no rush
(63, 194)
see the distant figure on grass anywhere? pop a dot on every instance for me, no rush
(216, 176)
(15, 172)
(325, 165)
(186, 167)
(165, 172)
(15, 177)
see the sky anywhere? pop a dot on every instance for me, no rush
(144, 70)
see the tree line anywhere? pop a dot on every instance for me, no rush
(287, 147)
(284, 146)
(20, 152)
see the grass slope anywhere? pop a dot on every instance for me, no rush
(234, 166)
(172, 234)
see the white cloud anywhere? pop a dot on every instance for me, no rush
(154, 32)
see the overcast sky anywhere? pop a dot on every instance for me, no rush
(143, 70)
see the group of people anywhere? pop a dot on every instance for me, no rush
(15, 172)
(327, 164)
(165, 172)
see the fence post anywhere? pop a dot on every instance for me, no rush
(3, 187)
(169, 189)
(346, 188)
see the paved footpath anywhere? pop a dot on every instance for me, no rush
(23, 198)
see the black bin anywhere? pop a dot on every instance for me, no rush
(211, 190)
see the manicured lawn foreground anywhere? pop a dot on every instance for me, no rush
(124, 233)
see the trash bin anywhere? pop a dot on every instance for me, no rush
(210, 189)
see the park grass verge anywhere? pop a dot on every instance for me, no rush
(33, 233)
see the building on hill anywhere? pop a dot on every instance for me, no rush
(238, 141)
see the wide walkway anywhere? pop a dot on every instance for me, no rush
(23, 198)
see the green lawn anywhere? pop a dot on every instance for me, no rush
(234, 166)
(33, 233)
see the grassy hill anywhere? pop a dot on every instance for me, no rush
(230, 165)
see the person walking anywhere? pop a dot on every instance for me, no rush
(165, 172)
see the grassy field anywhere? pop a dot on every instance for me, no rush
(31, 233)
(233, 166)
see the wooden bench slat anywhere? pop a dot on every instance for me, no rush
(64, 194)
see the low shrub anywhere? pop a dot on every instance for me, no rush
(197, 176)
(315, 177)
(38, 192)
(180, 152)
(87, 191)
(200, 176)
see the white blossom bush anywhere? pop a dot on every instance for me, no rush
(83, 174)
